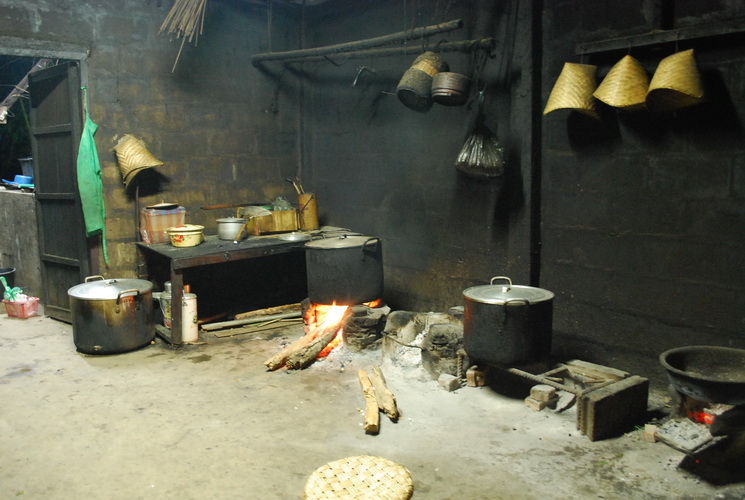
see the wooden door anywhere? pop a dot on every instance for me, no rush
(56, 124)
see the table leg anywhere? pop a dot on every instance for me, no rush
(177, 295)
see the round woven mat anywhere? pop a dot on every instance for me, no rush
(362, 477)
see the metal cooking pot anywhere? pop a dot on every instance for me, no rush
(111, 316)
(707, 373)
(227, 228)
(506, 324)
(347, 270)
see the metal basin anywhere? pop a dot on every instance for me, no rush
(707, 373)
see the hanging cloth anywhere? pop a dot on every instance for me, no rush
(90, 185)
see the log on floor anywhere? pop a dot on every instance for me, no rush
(385, 398)
(371, 423)
(269, 311)
(280, 358)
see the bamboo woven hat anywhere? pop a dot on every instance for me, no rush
(573, 90)
(133, 157)
(676, 83)
(361, 477)
(625, 86)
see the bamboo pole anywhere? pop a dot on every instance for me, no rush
(359, 44)
(461, 46)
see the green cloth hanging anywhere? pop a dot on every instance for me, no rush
(90, 184)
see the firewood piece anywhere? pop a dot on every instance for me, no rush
(385, 398)
(208, 327)
(371, 423)
(269, 310)
(306, 355)
(279, 359)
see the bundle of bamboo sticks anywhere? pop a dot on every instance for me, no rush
(183, 19)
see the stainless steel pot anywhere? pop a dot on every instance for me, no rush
(347, 270)
(111, 316)
(227, 228)
(506, 324)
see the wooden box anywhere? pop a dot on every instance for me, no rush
(280, 221)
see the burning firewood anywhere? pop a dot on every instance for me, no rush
(279, 359)
(372, 418)
(385, 398)
(305, 356)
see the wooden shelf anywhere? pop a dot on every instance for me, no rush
(662, 36)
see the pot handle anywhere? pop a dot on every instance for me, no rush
(509, 281)
(367, 242)
(97, 277)
(514, 302)
(127, 293)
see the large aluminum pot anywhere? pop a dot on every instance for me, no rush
(506, 324)
(111, 316)
(347, 270)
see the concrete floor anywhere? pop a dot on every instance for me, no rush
(208, 421)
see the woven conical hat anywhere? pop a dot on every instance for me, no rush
(676, 83)
(625, 86)
(133, 156)
(573, 90)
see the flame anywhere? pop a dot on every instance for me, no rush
(324, 316)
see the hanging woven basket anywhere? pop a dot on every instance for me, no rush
(625, 86)
(676, 83)
(133, 157)
(573, 90)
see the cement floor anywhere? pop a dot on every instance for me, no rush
(208, 421)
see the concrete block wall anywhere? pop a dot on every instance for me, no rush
(385, 170)
(212, 120)
(643, 234)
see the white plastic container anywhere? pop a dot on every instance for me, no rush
(189, 326)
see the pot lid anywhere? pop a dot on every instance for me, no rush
(185, 228)
(162, 206)
(502, 293)
(108, 289)
(342, 241)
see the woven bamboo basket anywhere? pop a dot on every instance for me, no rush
(415, 87)
(625, 86)
(133, 157)
(361, 477)
(676, 83)
(450, 89)
(573, 90)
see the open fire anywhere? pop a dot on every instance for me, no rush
(323, 333)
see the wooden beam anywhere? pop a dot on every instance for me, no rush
(662, 36)
(359, 44)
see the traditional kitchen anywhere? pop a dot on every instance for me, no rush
(393, 249)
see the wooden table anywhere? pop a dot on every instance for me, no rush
(212, 251)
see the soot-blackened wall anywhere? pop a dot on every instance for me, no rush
(643, 214)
